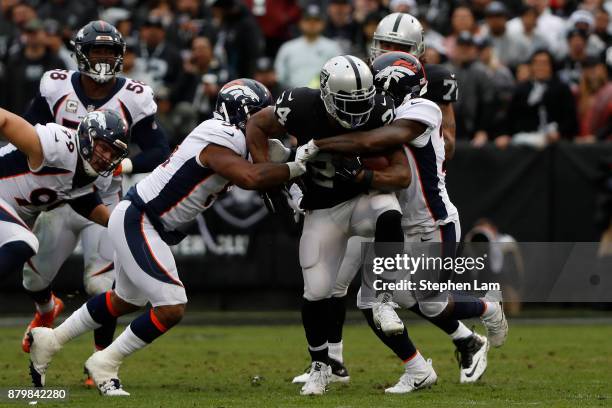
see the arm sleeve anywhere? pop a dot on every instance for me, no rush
(38, 111)
(152, 141)
(85, 204)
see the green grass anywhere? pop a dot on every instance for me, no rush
(540, 365)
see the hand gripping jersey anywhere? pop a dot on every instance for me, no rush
(442, 85)
(69, 104)
(425, 203)
(302, 113)
(58, 178)
(181, 188)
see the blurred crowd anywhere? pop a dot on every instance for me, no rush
(530, 71)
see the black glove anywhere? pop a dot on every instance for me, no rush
(347, 168)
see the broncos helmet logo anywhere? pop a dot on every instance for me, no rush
(395, 73)
(239, 90)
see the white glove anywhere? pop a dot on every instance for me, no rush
(296, 169)
(306, 152)
(277, 151)
(294, 200)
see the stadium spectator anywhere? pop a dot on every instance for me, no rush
(26, 67)
(201, 79)
(602, 24)
(473, 110)
(239, 36)
(595, 101)
(265, 74)
(276, 18)
(510, 50)
(71, 14)
(548, 25)
(161, 59)
(403, 6)
(340, 26)
(192, 19)
(299, 61)
(132, 67)
(363, 8)
(584, 20)
(542, 109)
(527, 33)
(571, 65)
(501, 78)
(462, 20)
(56, 45)
(362, 45)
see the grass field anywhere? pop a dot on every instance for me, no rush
(213, 366)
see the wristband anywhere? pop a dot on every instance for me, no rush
(366, 181)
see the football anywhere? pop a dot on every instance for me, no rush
(375, 162)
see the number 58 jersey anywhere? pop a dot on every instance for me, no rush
(58, 178)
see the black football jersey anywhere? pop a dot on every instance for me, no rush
(302, 113)
(441, 84)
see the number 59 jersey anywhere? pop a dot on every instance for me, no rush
(58, 178)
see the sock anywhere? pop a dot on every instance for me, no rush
(448, 325)
(316, 328)
(337, 314)
(147, 327)
(76, 324)
(13, 255)
(388, 231)
(400, 344)
(416, 362)
(335, 351)
(43, 299)
(462, 332)
(125, 344)
(466, 306)
(103, 336)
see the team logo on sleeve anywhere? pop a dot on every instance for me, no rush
(72, 106)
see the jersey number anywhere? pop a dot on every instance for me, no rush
(282, 114)
(135, 86)
(453, 91)
(59, 74)
(38, 197)
(388, 116)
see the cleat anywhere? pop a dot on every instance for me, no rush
(339, 373)
(410, 381)
(42, 345)
(42, 320)
(385, 317)
(320, 376)
(104, 374)
(497, 326)
(471, 354)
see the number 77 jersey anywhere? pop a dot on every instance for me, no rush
(60, 177)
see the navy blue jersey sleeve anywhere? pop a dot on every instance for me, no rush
(84, 205)
(153, 144)
(38, 111)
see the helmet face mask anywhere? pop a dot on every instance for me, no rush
(398, 32)
(239, 99)
(96, 38)
(347, 91)
(102, 138)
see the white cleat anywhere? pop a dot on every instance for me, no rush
(320, 376)
(471, 354)
(496, 325)
(412, 381)
(339, 373)
(386, 319)
(104, 374)
(43, 345)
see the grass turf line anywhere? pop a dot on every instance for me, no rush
(548, 366)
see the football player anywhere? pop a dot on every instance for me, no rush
(403, 32)
(45, 165)
(65, 97)
(335, 208)
(149, 220)
(428, 213)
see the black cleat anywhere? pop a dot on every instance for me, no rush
(471, 354)
(339, 372)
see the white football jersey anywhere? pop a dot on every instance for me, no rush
(30, 191)
(68, 103)
(425, 203)
(181, 188)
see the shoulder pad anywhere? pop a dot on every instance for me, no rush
(138, 99)
(420, 110)
(221, 133)
(54, 85)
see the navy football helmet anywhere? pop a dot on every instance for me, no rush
(400, 75)
(107, 128)
(99, 34)
(239, 99)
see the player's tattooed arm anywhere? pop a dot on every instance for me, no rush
(22, 135)
(241, 172)
(448, 129)
(399, 132)
(260, 127)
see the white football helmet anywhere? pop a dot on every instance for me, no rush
(401, 29)
(347, 90)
